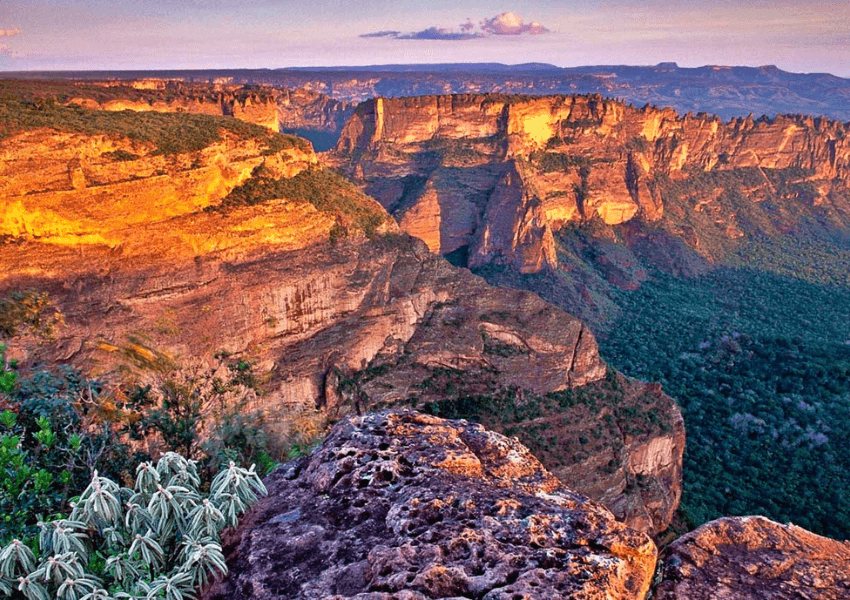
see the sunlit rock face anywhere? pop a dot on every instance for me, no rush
(67, 188)
(253, 104)
(133, 247)
(495, 177)
(750, 558)
(401, 505)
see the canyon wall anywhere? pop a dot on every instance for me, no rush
(148, 251)
(495, 178)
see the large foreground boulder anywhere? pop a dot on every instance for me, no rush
(753, 558)
(404, 506)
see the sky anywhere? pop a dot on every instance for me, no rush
(803, 36)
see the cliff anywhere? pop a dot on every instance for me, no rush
(751, 557)
(305, 109)
(249, 248)
(494, 179)
(401, 505)
(253, 104)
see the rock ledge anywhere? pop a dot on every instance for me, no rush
(403, 506)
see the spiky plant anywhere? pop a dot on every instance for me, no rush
(160, 539)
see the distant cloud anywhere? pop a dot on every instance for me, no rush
(9, 32)
(507, 23)
(438, 33)
(378, 34)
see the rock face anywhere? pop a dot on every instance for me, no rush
(494, 179)
(752, 558)
(254, 104)
(335, 323)
(404, 506)
(305, 109)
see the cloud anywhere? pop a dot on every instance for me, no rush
(378, 34)
(438, 33)
(9, 32)
(507, 23)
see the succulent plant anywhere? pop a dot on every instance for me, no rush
(160, 539)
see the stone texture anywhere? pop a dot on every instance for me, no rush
(254, 104)
(753, 558)
(402, 506)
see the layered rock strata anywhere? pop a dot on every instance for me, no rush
(495, 178)
(335, 323)
(404, 506)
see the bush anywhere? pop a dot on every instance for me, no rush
(159, 539)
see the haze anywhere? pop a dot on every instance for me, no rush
(808, 36)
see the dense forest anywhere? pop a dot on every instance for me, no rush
(760, 365)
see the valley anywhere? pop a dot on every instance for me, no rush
(652, 305)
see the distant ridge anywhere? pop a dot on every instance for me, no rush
(727, 91)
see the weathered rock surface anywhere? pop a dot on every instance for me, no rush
(305, 109)
(494, 179)
(402, 506)
(745, 558)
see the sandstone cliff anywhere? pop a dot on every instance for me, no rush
(751, 557)
(251, 249)
(305, 109)
(496, 178)
(403, 506)
(254, 104)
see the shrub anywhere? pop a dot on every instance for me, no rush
(159, 539)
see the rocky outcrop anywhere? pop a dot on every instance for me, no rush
(404, 506)
(753, 558)
(69, 188)
(495, 178)
(308, 110)
(253, 104)
(335, 322)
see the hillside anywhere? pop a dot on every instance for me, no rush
(710, 256)
(245, 247)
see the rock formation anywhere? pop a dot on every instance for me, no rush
(336, 322)
(254, 104)
(749, 558)
(404, 506)
(305, 109)
(496, 178)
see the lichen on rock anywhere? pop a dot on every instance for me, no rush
(403, 506)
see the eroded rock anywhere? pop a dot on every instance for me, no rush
(403, 506)
(750, 558)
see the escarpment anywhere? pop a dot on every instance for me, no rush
(247, 247)
(402, 505)
(500, 179)
(253, 104)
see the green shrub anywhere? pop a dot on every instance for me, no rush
(159, 539)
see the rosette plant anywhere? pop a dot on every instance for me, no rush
(160, 539)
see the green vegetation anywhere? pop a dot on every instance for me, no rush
(324, 189)
(560, 428)
(159, 539)
(760, 364)
(549, 162)
(57, 428)
(28, 311)
(170, 133)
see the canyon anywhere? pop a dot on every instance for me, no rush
(232, 240)
(519, 182)
(339, 311)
